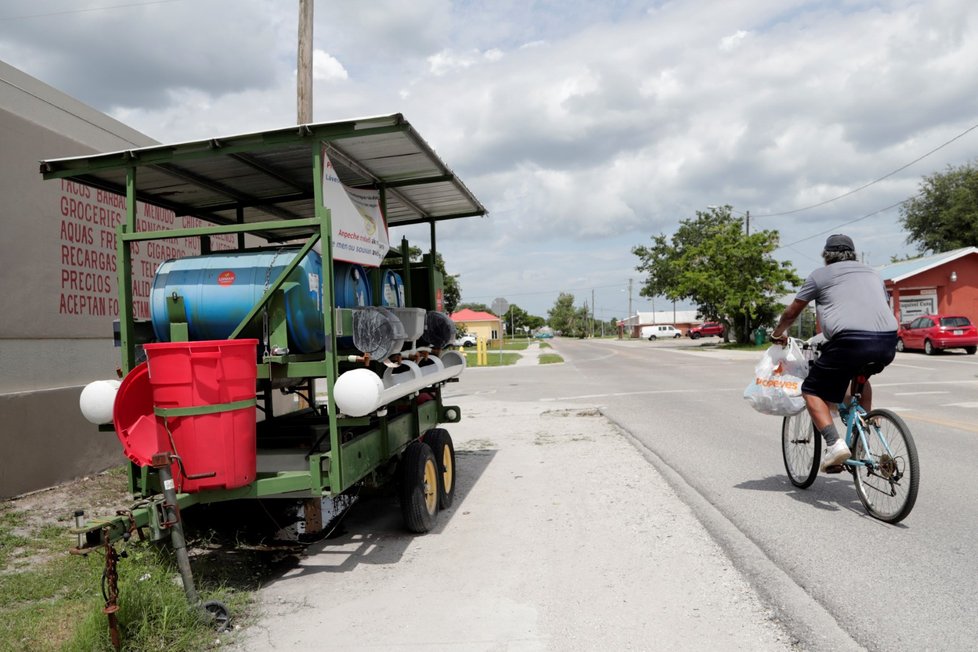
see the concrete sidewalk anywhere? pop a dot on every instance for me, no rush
(562, 537)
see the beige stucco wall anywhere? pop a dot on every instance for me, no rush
(482, 329)
(47, 352)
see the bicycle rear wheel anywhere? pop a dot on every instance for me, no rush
(888, 488)
(801, 447)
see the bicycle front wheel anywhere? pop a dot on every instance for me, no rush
(887, 484)
(801, 446)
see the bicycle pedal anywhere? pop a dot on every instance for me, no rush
(835, 468)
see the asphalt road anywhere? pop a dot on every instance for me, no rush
(890, 587)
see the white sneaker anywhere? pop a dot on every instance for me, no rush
(835, 454)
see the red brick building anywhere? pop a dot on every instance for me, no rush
(945, 283)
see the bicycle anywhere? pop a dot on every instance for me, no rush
(883, 463)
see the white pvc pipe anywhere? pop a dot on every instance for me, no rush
(359, 392)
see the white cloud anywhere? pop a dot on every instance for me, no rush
(728, 43)
(447, 61)
(325, 67)
(584, 128)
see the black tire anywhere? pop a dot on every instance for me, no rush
(695, 336)
(418, 487)
(929, 348)
(888, 490)
(900, 347)
(218, 615)
(441, 445)
(970, 350)
(651, 338)
(801, 448)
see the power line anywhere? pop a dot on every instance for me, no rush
(838, 226)
(87, 9)
(875, 181)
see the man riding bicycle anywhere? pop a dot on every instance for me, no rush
(854, 313)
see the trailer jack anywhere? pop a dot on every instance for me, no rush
(214, 611)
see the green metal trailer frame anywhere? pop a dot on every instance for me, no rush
(270, 185)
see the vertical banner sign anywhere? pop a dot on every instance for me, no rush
(359, 228)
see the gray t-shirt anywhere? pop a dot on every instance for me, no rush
(849, 296)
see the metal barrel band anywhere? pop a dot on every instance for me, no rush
(204, 409)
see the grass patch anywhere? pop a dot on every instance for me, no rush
(53, 600)
(550, 358)
(513, 345)
(493, 359)
(544, 345)
(734, 346)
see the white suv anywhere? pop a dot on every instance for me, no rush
(465, 340)
(655, 332)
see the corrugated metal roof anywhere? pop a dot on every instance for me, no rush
(269, 175)
(899, 271)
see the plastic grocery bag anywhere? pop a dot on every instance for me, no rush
(776, 388)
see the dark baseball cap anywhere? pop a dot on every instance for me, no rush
(839, 242)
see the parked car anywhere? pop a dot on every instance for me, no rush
(465, 340)
(934, 333)
(655, 332)
(706, 329)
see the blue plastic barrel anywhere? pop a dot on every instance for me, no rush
(352, 286)
(391, 289)
(219, 290)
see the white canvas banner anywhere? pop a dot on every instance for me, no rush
(359, 229)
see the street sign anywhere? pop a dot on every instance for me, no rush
(500, 306)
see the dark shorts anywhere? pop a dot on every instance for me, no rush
(842, 357)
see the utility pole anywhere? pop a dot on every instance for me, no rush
(592, 313)
(629, 298)
(747, 222)
(304, 67)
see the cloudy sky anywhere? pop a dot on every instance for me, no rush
(584, 126)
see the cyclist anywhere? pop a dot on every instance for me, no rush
(854, 313)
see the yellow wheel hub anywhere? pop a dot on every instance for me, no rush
(430, 486)
(446, 462)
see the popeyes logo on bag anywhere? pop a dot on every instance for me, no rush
(225, 278)
(791, 385)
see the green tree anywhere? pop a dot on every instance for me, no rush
(565, 318)
(730, 276)
(519, 320)
(453, 289)
(943, 215)
(478, 307)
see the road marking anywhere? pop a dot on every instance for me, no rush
(691, 390)
(928, 382)
(918, 393)
(970, 427)
(968, 362)
(972, 404)
(910, 366)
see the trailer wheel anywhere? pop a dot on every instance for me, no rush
(419, 487)
(218, 614)
(441, 445)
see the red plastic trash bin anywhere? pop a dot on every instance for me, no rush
(204, 394)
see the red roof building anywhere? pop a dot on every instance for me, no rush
(483, 325)
(945, 283)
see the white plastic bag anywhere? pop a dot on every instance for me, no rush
(776, 388)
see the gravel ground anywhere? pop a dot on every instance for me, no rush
(561, 537)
